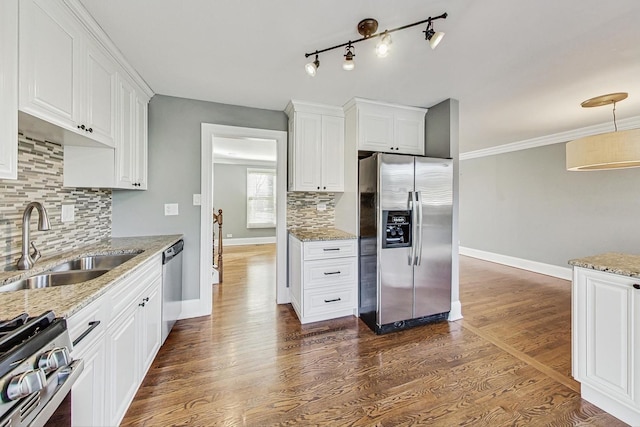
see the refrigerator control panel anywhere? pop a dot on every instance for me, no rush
(397, 229)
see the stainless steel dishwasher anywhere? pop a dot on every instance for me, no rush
(171, 287)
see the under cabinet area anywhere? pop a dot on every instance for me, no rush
(323, 278)
(606, 341)
(316, 147)
(382, 127)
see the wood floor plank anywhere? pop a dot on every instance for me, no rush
(253, 364)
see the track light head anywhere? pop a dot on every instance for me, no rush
(434, 37)
(312, 67)
(384, 45)
(348, 63)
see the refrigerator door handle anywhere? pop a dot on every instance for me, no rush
(414, 212)
(420, 233)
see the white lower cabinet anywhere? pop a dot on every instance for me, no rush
(606, 341)
(323, 277)
(119, 350)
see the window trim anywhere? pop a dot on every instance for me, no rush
(263, 171)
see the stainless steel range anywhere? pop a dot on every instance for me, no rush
(36, 369)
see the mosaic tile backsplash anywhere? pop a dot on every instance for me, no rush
(302, 212)
(40, 166)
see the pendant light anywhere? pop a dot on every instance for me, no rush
(348, 63)
(613, 150)
(384, 45)
(312, 67)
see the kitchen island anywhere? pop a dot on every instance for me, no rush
(69, 299)
(605, 315)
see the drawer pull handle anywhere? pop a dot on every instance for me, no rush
(328, 273)
(636, 286)
(331, 249)
(332, 300)
(92, 326)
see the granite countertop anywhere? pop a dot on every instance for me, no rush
(68, 299)
(612, 262)
(318, 234)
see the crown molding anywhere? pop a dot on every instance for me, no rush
(555, 138)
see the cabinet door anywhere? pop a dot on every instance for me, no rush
(332, 153)
(124, 156)
(87, 394)
(9, 89)
(409, 131)
(100, 101)
(607, 334)
(308, 152)
(50, 44)
(375, 128)
(140, 144)
(123, 350)
(151, 325)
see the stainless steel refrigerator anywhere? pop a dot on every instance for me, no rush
(405, 240)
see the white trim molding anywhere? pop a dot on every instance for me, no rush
(456, 311)
(524, 264)
(624, 124)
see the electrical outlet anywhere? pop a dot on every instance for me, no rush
(197, 200)
(321, 206)
(68, 213)
(229, 235)
(170, 209)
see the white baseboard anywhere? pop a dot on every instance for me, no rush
(456, 311)
(192, 308)
(246, 241)
(524, 264)
(215, 276)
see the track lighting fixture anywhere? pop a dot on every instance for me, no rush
(367, 28)
(348, 63)
(434, 37)
(312, 67)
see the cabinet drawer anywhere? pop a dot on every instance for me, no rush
(128, 288)
(322, 301)
(329, 272)
(329, 249)
(91, 322)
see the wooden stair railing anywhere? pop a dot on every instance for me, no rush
(217, 218)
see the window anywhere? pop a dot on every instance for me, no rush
(261, 198)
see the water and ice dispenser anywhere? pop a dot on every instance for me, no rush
(397, 231)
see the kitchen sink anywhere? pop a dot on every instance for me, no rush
(94, 262)
(46, 280)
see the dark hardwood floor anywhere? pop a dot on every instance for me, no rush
(506, 363)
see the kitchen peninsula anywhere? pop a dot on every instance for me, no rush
(605, 334)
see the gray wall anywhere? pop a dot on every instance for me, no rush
(525, 204)
(174, 173)
(230, 195)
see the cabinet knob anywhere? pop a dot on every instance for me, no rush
(145, 299)
(318, 188)
(636, 286)
(324, 188)
(90, 130)
(81, 127)
(141, 304)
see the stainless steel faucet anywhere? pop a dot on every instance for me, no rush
(27, 260)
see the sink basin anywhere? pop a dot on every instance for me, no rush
(94, 262)
(46, 280)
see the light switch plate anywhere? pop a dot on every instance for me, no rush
(68, 213)
(321, 206)
(170, 209)
(197, 200)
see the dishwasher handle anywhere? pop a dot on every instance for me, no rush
(173, 251)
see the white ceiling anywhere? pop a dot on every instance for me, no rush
(520, 68)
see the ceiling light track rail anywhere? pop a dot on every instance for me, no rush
(428, 21)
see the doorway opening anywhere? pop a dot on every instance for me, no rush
(241, 142)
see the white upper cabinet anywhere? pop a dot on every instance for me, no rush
(316, 147)
(8, 89)
(385, 127)
(66, 78)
